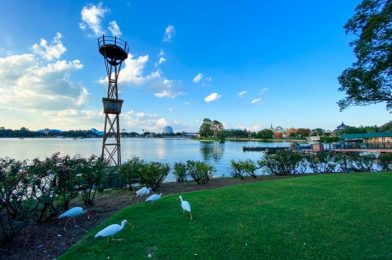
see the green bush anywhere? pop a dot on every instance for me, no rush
(14, 209)
(53, 185)
(180, 172)
(284, 163)
(152, 174)
(91, 177)
(200, 171)
(323, 162)
(236, 170)
(344, 162)
(363, 163)
(385, 161)
(66, 175)
(240, 168)
(130, 172)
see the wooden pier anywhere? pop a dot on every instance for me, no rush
(363, 150)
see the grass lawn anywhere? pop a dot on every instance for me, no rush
(320, 216)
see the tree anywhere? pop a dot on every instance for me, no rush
(368, 80)
(211, 128)
(206, 128)
(216, 127)
(265, 134)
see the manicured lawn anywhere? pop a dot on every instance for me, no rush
(321, 216)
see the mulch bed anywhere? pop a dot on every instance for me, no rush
(49, 240)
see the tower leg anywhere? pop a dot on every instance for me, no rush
(111, 151)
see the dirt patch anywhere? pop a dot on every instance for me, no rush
(49, 240)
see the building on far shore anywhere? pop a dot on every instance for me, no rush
(340, 127)
(373, 138)
(167, 130)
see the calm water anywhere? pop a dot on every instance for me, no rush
(150, 149)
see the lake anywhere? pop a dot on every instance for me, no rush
(168, 150)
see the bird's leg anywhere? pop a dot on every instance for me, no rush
(66, 222)
(190, 214)
(74, 222)
(183, 211)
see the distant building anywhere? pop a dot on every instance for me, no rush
(53, 132)
(375, 137)
(167, 130)
(96, 132)
(340, 127)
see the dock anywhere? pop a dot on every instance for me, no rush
(364, 150)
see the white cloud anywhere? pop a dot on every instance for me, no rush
(198, 77)
(167, 90)
(51, 51)
(114, 29)
(202, 80)
(255, 100)
(212, 97)
(138, 121)
(161, 53)
(242, 93)
(91, 18)
(28, 82)
(161, 60)
(133, 74)
(133, 71)
(169, 33)
(264, 89)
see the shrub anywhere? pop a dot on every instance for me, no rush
(323, 162)
(284, 163)
(180, 172)
(199, 171)
(14, 209)
(130, 172)
(385, 161)
(344, 162)
(243, 167)
(236, 169)
(152, 174)
(91, 177)
(363, 163)
(52, 185)
(66, 177)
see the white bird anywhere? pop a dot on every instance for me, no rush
(73, 213)
(111, 230)
(154, 197)
(185, 206)
(143, 191)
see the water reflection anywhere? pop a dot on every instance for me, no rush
(212, 151)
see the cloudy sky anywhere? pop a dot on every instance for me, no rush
(248, 64)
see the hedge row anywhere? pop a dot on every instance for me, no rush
(39, 190)
(291, 162)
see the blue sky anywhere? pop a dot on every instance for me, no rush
(248, 64)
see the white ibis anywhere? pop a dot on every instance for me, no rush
(143, 191)
(185, 206)
(111, 230)
(154, 197)
(72, 214)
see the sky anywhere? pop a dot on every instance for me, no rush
(248, 64)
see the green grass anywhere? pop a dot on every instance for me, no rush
(320, 216)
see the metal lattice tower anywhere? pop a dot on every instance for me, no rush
(114, 51)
